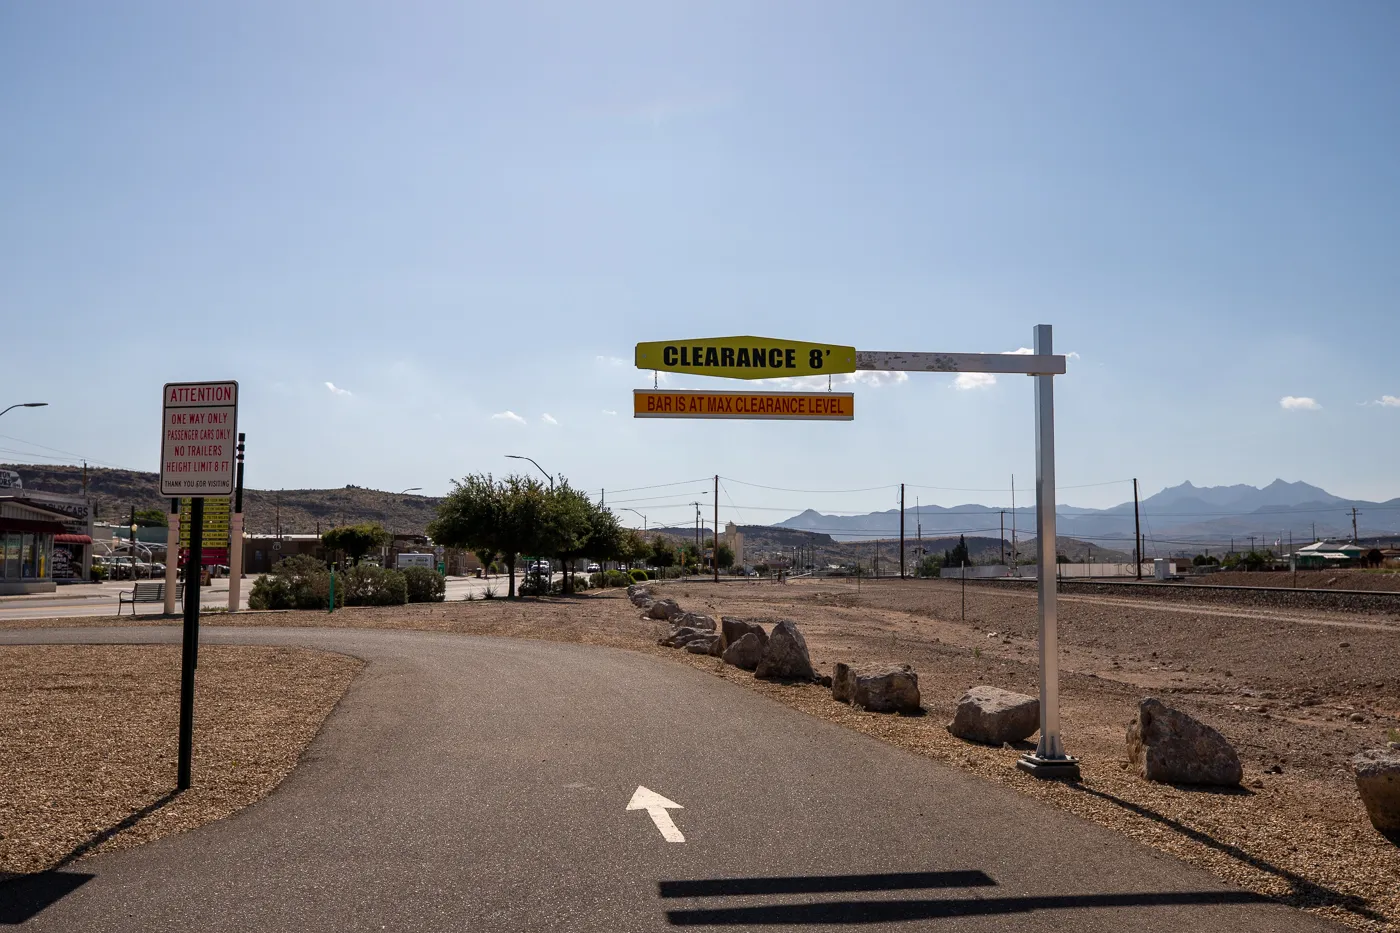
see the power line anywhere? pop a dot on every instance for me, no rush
(685, 482)
(810, 491)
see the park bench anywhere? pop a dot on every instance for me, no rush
(149, 592)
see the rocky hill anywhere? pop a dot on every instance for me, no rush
(296, 511)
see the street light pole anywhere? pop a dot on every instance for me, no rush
(412, 489)
(537, 466)
(644, 518)
(26, 405)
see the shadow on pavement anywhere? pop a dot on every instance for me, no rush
(23, 896)
(863, 912)
(1303, 891)
(824, 884)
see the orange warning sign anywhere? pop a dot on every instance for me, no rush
(784, 406)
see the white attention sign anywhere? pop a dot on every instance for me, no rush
(199, 433)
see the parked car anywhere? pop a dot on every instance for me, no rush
(594, 568)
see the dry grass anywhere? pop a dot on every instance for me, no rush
(88, 743)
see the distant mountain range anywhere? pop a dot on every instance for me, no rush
(1179, 518)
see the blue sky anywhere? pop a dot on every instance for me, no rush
(393, 223)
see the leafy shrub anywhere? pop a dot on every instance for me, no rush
(640, 576)
(298, 582)
(368, 585)
(271, 592)
(610, 578)
(532, 585)
(424, 585)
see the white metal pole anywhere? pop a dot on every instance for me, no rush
(172, 554)
(235, 560)
(1049, 759)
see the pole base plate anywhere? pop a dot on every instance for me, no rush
(1049, 769)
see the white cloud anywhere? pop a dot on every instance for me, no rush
(873, 378)
(611, 360)
(507, 416)
(1299, 403)
(1388, 401)
(1019, 351)
(967, 381)
(335, 390)
(607, 412)
(549, 419)
(1071, 355)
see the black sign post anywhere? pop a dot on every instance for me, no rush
(194, 567)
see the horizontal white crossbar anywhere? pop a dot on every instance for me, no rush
(1029, 364)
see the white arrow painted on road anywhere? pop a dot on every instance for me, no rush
(656, 806)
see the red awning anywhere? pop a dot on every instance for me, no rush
(71, 539)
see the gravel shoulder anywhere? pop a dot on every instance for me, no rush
(1283, 685)
(89, 739)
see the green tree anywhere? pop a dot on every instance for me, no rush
(356, 540)
(152, 518)
(486, 557)
(928, 567)
(606, 538)
(579, 528)
(690, 556)
(663, 552)
(509, 516)
(724, 557)
(958, 555)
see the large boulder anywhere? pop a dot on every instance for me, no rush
(786, 656)
(892, 690)
(695, 620)
(665, 610)
(640, 596)
(1168, 746)
(706, 643)
(744, 653)
(1378, 781)
(994, 716)
(735, 629)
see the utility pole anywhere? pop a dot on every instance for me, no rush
(1355, 538)
(1003, 536)
(901, 531)
(715, 559)
(919, 523)
(1137, 530)
(1014, 572)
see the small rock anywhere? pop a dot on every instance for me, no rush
(706, 643)
(1170, 747)
(679, 637)
(1257, 782)
(744, 653)
(1378, 782)
(994, 716)
(695, 620)
(664, 609)
(895, 690)
(1345, 644)
(843, 682)
(824, 680)
(1274, 769)
(786, 657)
(1357, 717)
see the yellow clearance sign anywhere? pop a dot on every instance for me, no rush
(746, 357)
(782, 406)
